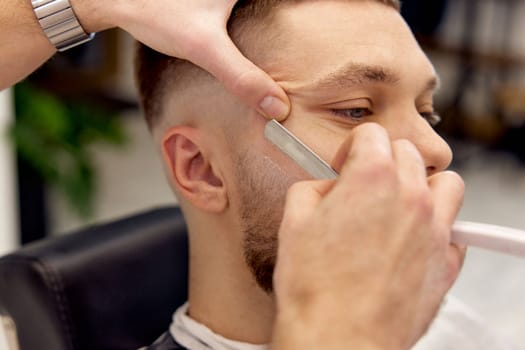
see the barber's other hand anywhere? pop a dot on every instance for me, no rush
(364, 262)
(194, 30)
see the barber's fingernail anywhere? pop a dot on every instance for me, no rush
(274, 107)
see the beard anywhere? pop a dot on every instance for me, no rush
(262, 194)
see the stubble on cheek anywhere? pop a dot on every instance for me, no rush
(262, 186)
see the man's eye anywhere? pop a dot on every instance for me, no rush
(352, 113)
(431, 117)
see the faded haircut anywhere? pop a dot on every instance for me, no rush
(157, 73)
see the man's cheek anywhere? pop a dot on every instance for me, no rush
(322, 136)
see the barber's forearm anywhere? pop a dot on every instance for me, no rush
(23, 45)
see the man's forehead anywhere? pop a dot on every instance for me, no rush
(333, 43)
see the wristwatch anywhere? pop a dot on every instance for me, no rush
(59, 22)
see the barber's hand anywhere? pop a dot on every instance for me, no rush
(194, 30)
(364, 262)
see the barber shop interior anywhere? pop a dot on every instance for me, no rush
(93, 245)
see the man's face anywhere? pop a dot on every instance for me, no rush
(342, 63)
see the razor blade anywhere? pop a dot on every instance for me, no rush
(491, 237)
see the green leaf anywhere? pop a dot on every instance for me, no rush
(55, 138)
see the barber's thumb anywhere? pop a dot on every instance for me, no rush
(303, 199)
(245, 80)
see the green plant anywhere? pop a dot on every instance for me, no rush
(54, 137)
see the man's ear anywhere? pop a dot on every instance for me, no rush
(191, 171)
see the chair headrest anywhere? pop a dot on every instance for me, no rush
(113, 286)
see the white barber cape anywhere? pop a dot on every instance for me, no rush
(456, 327)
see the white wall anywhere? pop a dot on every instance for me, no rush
(8, 214)
(8, 227)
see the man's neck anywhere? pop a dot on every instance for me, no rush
(222, 292)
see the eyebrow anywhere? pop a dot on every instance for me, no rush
(356, 74)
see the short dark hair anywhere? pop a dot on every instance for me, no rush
(156, 72)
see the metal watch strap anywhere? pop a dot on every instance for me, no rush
(60, 23)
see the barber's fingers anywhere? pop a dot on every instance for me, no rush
(195, 30)
(302, 203)
(410, 164)
(217, 54)
(448, 190)
(303, 199)
(367, 149)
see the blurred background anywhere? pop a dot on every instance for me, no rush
(74, 149)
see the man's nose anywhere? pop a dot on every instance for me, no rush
(435, 151)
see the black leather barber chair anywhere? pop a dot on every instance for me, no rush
(113, 286)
